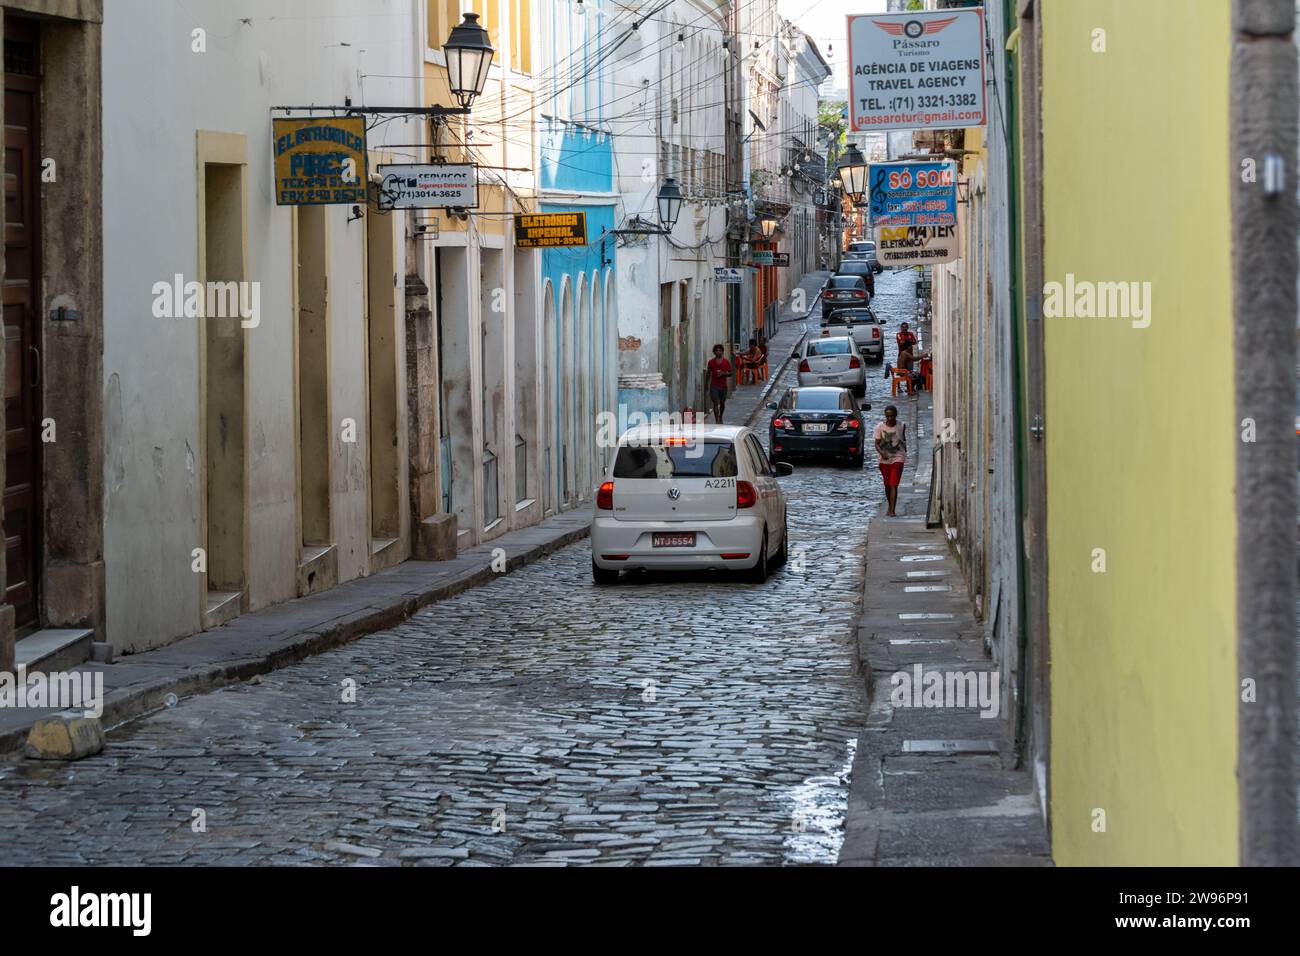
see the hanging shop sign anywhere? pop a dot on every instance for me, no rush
(762, 257)
(729, 276)
(917, 70)
(781, 259)
(428, 185)
(916, 245)
(320, 161)
(542, 230)
(912, 194)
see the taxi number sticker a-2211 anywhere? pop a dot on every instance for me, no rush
(720, 483)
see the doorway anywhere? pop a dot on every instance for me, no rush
(23, 343)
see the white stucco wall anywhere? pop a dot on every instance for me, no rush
(158, 93)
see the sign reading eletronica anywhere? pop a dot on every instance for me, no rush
(919, 70)
(916, 245)
(912, 194)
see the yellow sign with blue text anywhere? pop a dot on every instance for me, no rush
(320, 161)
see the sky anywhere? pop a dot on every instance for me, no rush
(825, 22)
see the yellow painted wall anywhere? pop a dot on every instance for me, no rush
(1140, 434)
(502, 120)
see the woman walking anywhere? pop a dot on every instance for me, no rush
(890, 437)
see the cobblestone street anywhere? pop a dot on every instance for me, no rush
(537, 720)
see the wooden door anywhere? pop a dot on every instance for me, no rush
(23, 480)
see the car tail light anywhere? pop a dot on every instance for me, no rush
(614, 557)
(804, 366)
(859, 295)
(674, 441)
(734, 555)
(746, 495)
(875, 333)
(782, 423)
(605, 497)
(853, 362)
(848, 424)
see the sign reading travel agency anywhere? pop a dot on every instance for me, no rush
(320, 161)
(428, 185)
(916, 245)
(729, 275)
(912, 194)
(548, 229)
(919, 70)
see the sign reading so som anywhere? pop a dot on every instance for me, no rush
(320, 161)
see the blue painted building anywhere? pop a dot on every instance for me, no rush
(576, 174)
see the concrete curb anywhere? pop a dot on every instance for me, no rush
(138, 700)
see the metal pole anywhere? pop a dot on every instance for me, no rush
(1264, 103)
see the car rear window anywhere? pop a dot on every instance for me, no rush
(709, 459)
(847, 318)
(819, 401)
(845, 282)
(828, 347)
(853, 265)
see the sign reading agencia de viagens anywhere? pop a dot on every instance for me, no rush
(918, 70)
(320, 161)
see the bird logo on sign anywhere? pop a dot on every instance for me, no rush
(914, 28)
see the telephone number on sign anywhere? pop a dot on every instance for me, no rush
(932, 102)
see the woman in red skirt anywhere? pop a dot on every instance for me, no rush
(890, 437)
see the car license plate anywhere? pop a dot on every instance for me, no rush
(674, 539)
(830, 377)
(814, 428)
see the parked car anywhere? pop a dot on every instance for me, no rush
(695, 496)
(861, 268)
(840, 292)
(865, 249)
(862, 326)
(818, 422)
(832, 360)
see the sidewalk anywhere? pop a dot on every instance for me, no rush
(930, 786)
(781, 346)
(262, 641)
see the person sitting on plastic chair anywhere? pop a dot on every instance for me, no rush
(751, 360)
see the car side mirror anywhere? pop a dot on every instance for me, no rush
(772, 405)
(783, 469)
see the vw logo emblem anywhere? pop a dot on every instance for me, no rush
(674, 493)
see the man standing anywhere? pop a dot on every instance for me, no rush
(890, 437)
(718, 372)
(906, 346)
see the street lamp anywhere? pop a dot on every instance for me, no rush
(853, 172)
(469, 55)
(769, 228)
(670, 204)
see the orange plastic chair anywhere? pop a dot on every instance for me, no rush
(927, 374)
(900, 376)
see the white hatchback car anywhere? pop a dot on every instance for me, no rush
(832, 360)
(693, 496)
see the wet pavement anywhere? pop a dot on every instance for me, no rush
(669, 720)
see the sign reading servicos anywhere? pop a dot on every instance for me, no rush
(428, 185)
(320, 161)
(919, 70)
